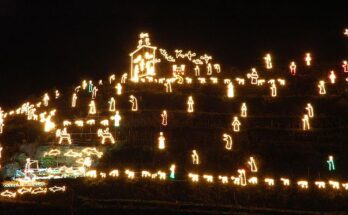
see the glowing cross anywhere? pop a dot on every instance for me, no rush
(345, 66)
(134, 102)
(161, 141)
(236, 124)
(268, 61)
(172, 171)
(190, 104)
(305, 123)
(310, 111)
(292, 68)
(230, 90)
(331, 163)
(308, 59)
(118, 89)
(195, 157)
(332, 77)
(243, 110)
(164, 118)
(252, 164)
(228, 139)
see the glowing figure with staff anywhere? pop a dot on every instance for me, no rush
(332, 77)
(117, 118)
(190, 104)
(252, 164)
(331, 163)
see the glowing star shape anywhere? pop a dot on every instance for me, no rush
(268, 61)
(105, 135)
(134, 102)
(236, 124)
(331, 163)
(332, 77)
(172, 171)
(252, 164)
(195, 157)
(161, 141)
(190, 104)
(345, 66)
(92, 108)
(228, 139)
(118, 89)
(243, 110)
(310, 111)
(63, 136)
(45, 99)
(273, 90)
(73, 100)
(253, 76)
(112, 104)
(164, 118)
(308, 59)
(305, 123)
(292, 68)
(321, 86)
(230, 90)
(117, 118)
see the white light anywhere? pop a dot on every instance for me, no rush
(252, 164)
(236, 124)
(134, 102)
(195, 157)
(164, 118)
(243, 110)
(190, 104)
(105, 135)
(161, 141)
(322, 90)
(230, 90)
(228, 139)
(305, 123)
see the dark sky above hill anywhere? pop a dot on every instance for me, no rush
(46, 45)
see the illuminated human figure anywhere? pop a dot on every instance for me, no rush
(117, 118)
(243, 110)
(305, 123)
(230, 90)
(90, 86)
(190, 104)
(268, 61)
(331, 163)
(161, 141)
(253, 76)
(273, 90)
(134, 102)
(112, 104)
(45, 99)
(57, 94)
(84, 84)
(73, 100)
(252, 164)
(118, 89)
(292, 68)
(195, 157)
(228, 139)
(197, 71)
(345, 66)
(236, 124)
(164, 118)
(172, 171)
(310, 111)
(105, 135)
(308, 59)
(92, 108)
(242, 177)
(94, 92)
(124, 78)
(209, 69)
(332, 77)
(322, 89)
(63, 135)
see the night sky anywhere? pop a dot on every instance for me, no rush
(46, 45)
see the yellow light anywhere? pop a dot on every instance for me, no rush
(305, 123)
(112, 104)
(124, 78)
(145, 174)
(134, 102)
(208, 178)
(84, 84)
(286, 181)
(57, 189)
(253, 76)
(39, 190)
(345, 186)
(45, 99)
(273, 90)
(102, 174)
(161, 141)
(228, 139)
(63, 136)
(281, 81)
(217, 67)
(242, 177)
(243, 110)
(292, 68)
(52, 152)
(269, 181)
(236, 124)
(92, 151)
(66, 123)
(168, 86)
(92, 108)
(190, 104)
(223, 179)
(117, 118)
(73, 154)
(240, 81)
(202, 80)
(164, 118)
(308, 59)
(310, 111)
(193, 177)
(130, 174)
(118, 89)
(195, 157)
(346, 32)
(214, 80)
(320, 184)
(332, 77)
(322, 90)
(197, 71)
(303, 184)
(209, 69)
(162, 175)
(57, 94)
(335, 184)
(252, 164)
(90, 122)
(24, 190)
(206, 58)
(91, 174)
(49, 125)
(104, 122)
(8, 194)
(0, 154)
(230, 90)
(94, 92)
(114, 173)
(345, 66)
(253, 180)
(105, 135)
(268, 61)
(79, 123)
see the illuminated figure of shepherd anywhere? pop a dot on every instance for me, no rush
(190, 104)
(112, 104)
(195, 157)
(332, 77)
(331, 163)
(117, 118)
(273, 90)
